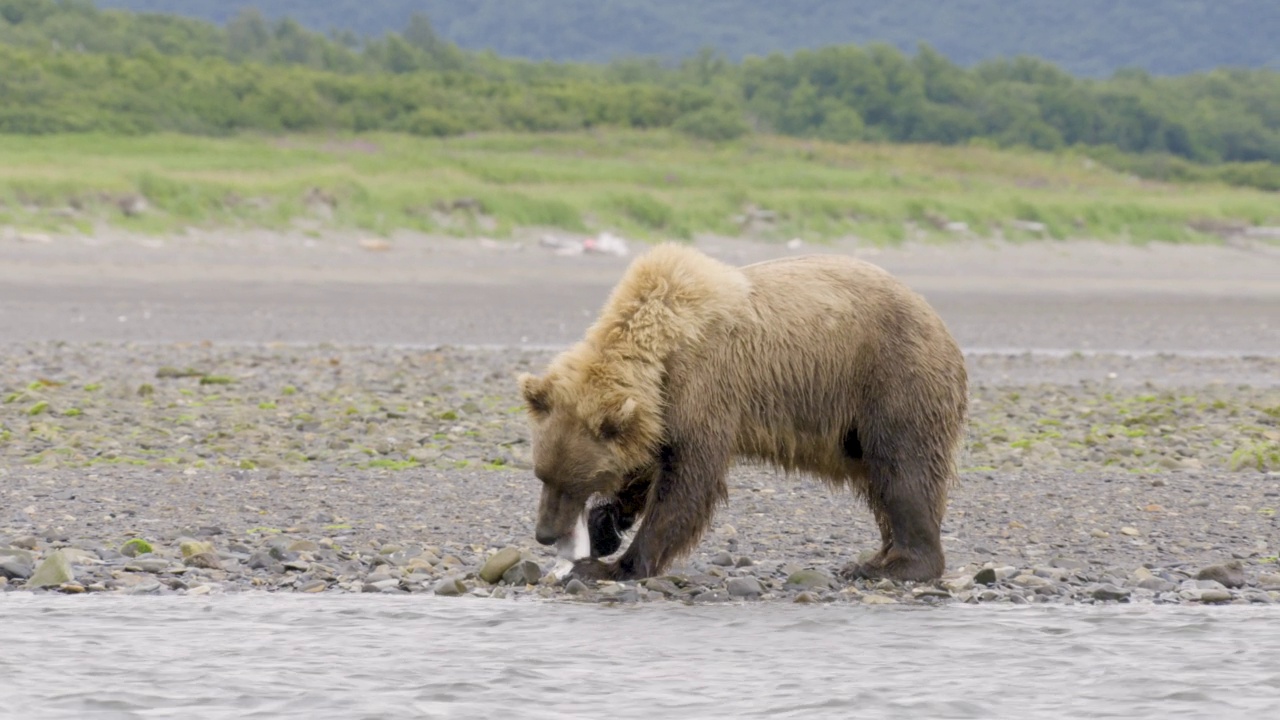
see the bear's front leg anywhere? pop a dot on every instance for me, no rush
(593, 570)
(681, 504)
(607, 521)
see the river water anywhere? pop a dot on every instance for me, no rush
(277, 656)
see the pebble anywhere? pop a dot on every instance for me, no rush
(575, 587)
(723, 559)
(985, 576)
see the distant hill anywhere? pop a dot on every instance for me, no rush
(1085, 37)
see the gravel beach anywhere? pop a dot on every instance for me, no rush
(164, 464)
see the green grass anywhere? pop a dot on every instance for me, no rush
(644, 184)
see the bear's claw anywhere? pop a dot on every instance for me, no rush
(591, 569)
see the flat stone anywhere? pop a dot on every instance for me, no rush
(499, 563)
(876, 599)
(261, 560)
(71, 588)
(1157, 584)
(150, 565)
(662, 585)
(810, 579)
(54, 571)
(1216, 596)
(13, 568)
(1031, 581)
(1110, 592)
(25, 542)
(712, 596)
(805, 598)
(575, 587)
(301, 546)
(745, 587)
(924, 592)
(13, 552)
(313, 586)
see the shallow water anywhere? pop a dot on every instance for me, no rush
(273, 656)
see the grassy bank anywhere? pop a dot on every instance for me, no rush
(649, 185)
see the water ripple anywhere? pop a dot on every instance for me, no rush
(364, 657)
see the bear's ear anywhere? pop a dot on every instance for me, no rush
(616, 422)
(537, 394)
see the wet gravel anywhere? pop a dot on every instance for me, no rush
(199, 468)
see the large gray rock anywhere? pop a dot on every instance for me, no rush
(525, 572)
(744, 587)
(1230, 574)
(54, 571)
(986, 576)
(1110, 592)
(12, 552)
(15, 568)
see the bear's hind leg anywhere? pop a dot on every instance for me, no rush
(911, 497)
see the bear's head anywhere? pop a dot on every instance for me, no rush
(586, 439)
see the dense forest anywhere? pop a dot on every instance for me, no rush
(1085, 37)
(68, 67)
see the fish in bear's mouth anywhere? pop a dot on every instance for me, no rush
(571, 548)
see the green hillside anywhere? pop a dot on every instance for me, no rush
(68, 67)
(1085, 37)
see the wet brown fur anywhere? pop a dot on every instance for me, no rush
(820, 364)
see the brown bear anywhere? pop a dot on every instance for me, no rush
(820, 364)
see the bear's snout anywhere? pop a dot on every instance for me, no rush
(545, 537)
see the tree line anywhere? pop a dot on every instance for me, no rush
(68, 67)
